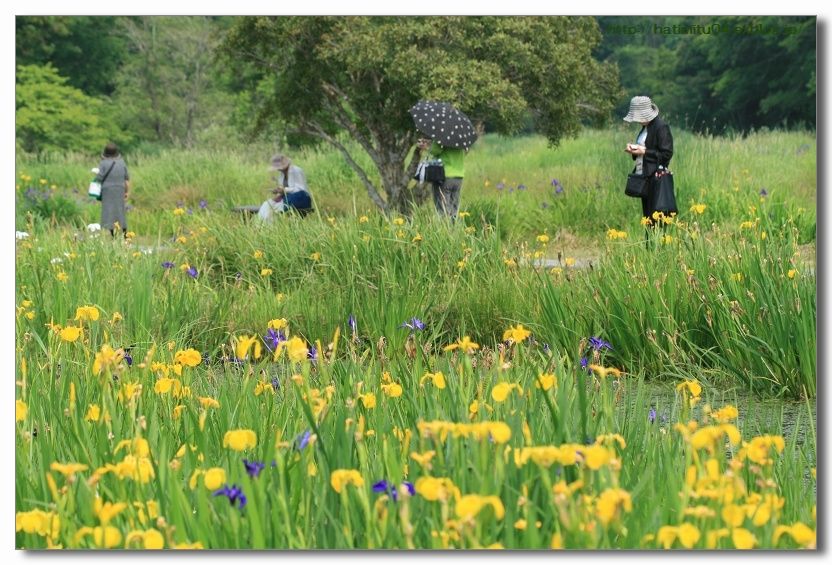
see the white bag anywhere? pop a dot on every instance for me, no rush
(269, 208)
(95, 190)
(420, 172)
(95, 187)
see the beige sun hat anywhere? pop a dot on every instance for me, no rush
(642, 109)
(280, 162)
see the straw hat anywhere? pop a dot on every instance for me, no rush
(280, 162)
(642, 109)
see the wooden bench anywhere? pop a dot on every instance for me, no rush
(252, 209)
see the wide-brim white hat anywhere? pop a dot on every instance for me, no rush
(642, 109)
(279, 162)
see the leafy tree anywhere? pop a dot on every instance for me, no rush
(167, 86)
(53, 116)
(84, 49)
(325, 76)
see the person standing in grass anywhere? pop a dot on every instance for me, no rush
(652, 150)
(446, 195)
(115, 186)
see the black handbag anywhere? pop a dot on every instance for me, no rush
(431, 171)
(636, 185)
(662, 196)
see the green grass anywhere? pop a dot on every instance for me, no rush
(708, 299)
(726, 300)
(726, 173)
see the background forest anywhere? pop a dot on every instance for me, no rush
(155, 82)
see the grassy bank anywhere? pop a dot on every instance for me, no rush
(507, 179)
(737, 302)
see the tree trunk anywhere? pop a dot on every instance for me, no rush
(396, 180)
(389, 161)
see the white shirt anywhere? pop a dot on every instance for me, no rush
(640, 140)
(296, 181)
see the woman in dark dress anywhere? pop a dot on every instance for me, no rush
(114, 189)
(652, 150)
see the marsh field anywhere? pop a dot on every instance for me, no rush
(542, 373)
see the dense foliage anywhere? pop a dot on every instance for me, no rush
(54, 116)
(163, 84)
(736, 73)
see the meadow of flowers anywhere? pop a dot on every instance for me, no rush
(358, 381)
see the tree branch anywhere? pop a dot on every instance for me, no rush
(342, 116)
(316, 130)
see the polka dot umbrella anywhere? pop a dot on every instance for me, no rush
(443, 123)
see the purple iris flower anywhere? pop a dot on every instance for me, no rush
(651, 415)
(275, 383)
(763, 192)
(555, 182)
(313, 353)
(128, 358)
(384, 486)
(253, 468)
(352, 323)
(521, 187)
(584, 363)
(203, 204)
(234, 493)
(500, 186)
(273, 338)
(546, 348)
(303, 439)
(168, 265)
(192, 272)
(381, 486)
(559, 190)
(413, 324)
(598, 344)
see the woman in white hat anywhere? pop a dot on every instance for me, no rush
(653, 148)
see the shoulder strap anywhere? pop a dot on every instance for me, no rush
(108, 172)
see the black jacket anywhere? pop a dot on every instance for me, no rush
(659, 146)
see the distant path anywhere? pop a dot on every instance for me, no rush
(580, 263)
